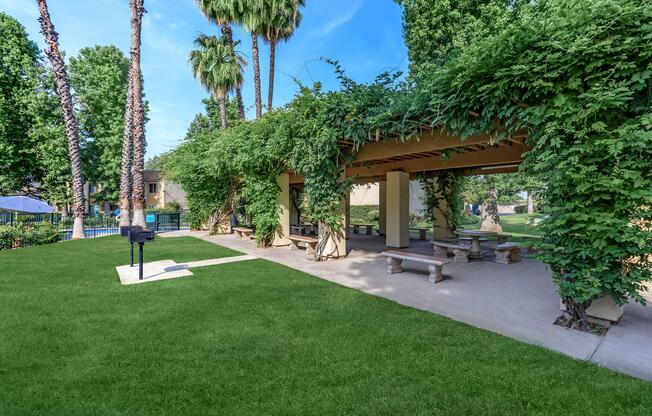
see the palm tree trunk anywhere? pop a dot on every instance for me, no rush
(125, 175)
(72, 129)
(228, 34)
(221, 98)
(272, 60)
(530, 203)
(138, 185)
(254, 57)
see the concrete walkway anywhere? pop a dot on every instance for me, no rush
(169, 269)
(517, 300)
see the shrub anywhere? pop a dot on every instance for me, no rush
(32, 234)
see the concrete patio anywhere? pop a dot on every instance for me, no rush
(517, 300)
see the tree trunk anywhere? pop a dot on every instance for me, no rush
(72, 129)
(530, 203)
(125, 175)
(228, 34)
(489, 212)
(577, 314)
(254, 58)
(138, 190)
(221, 98)
(272, 60)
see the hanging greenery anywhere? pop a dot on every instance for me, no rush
(573, 74)
(442, 197)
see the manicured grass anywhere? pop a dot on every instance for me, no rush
(257, 338)
(520, 226)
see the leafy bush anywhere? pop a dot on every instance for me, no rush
(364, 214)
(32, 234)
(520, 209)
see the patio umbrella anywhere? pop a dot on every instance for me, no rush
(24, 204)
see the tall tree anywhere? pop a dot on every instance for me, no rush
(437, 30)
(99, 77)
(72, 132)
(218, 67)
(248, 14)
(279, 20)
(225, 13)
(19, 80)
(127, 155)
(138, 133)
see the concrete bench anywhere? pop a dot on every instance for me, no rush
(243, 232)
(422, 232)
(507, 253)
(369, 228)
(460, 251)
(502, 238)
(435, 264)
(310, 243)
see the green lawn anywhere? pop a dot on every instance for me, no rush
(520, 226)
(257, 338)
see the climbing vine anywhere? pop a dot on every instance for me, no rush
(575, 75)
(442, 197)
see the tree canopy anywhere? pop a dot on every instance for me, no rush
(99, 77)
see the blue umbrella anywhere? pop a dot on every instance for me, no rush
(24, 204)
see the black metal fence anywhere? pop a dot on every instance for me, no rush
(20, 230)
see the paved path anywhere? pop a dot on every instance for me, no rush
(169, 269)
(517, 300)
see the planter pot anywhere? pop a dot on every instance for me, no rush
(602, 309)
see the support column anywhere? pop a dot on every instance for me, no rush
(382, 207)
(398, 209)
(347, 215)
(284, 204)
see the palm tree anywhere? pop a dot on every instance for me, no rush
(280, 19)
(225, 13)
(72, 128)
(125, 175)
(218, 67)
(138, 120)
(245, 13)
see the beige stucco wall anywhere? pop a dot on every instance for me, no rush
(172, 192)
(370, 194)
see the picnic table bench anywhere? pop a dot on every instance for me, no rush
(435, 264)
(369, 228)
(507, 253)
(302, 229)
(502, 238)
(461, 251)
(243, 232)
(310, 244)
(422, 232)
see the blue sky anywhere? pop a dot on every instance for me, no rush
(364, 35)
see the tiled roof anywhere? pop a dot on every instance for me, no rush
(152, 175)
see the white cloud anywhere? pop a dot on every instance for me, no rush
(20, 6)
(338, 21)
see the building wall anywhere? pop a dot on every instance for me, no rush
(172, 192)
(369, 195)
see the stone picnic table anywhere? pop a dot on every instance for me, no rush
(476, 235)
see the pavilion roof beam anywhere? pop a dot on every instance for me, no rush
(489, 157)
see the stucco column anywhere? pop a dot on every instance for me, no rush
(382, 207)
(347, 215)
(284, 204)
(398, 209)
